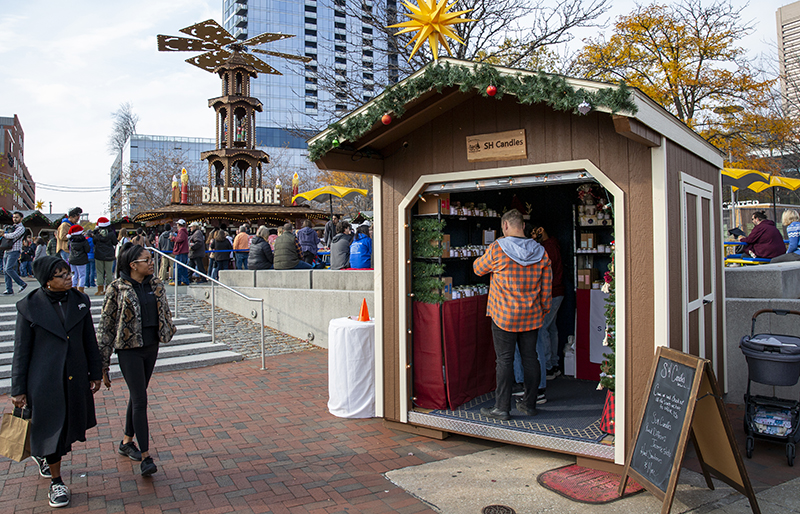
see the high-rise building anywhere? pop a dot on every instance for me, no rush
(788, 22)
(139, 149)
(348, 60)
(17, 188)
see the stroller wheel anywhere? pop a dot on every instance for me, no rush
(790, 453)
(749, 447)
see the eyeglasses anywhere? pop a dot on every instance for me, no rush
(147, 261)
(68, 274)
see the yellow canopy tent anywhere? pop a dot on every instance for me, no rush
(739, 178)
(775, 181)
(327, 193)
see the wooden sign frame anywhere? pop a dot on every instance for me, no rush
(705, 421)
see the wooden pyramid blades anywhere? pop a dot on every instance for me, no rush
(219, 46)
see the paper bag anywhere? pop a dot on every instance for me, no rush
(15, 436)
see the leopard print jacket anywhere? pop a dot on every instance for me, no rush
(121, 319)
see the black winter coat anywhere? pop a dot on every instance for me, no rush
(53, 365)
(79, 249)
(105, 239)
(261, 256)
(221, 245)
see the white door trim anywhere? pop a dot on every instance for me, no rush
(404, 263)
(702, 190)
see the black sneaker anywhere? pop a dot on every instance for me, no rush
(517, 389)
(148, 467)
(23, 286)
(8, 293)
(524, 410)
(495, 413)
(44, 468)
(130, 450)
(59, 495)
(553, 373)
(540, 398)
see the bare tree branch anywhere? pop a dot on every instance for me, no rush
(124, 127)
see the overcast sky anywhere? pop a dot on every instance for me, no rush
(68, 65)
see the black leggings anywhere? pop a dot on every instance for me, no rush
(137, 366)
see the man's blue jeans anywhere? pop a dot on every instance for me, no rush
(10, 260)
(183, 272)
(90, 274)
(546, 345)
(241, 260)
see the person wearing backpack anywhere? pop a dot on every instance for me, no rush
(13, 237)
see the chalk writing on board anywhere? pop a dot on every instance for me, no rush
(658, 438)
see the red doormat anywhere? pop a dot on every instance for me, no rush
(586, 485)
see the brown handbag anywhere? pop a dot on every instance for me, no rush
(15, 435)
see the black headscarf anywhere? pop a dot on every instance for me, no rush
(45, 267)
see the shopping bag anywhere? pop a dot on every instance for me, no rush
(15, 435)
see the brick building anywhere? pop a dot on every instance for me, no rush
(17, 188)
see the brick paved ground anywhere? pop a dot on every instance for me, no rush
(233, 438)
(238, 332)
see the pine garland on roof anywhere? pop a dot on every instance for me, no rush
(553, 90)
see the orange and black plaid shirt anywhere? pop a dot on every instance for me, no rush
(519, 296)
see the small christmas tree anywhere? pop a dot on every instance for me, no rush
(608, 366)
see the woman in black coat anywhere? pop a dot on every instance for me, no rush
(221, 252)
(56, 368)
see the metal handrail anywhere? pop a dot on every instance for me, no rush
(214, 283)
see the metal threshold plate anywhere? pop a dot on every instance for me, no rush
(526, 438)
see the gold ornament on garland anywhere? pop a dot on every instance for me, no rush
(431, 20)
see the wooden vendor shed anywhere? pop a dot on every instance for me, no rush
(665, 183)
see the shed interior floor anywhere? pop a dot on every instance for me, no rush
(572, 412)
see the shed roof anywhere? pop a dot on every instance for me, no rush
(466, 78)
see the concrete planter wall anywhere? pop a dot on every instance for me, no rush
(748, 290)
(300, 303)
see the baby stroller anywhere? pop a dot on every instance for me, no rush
(772, 359)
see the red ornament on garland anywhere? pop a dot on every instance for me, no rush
(491, 90)
(386, 119)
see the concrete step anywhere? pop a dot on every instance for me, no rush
(185, 333)
(7, 334)
(165, 364)
(166, 351)
(11, 314)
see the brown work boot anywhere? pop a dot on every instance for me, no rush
(80, 289)
(99, 291)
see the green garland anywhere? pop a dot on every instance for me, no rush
(608, 367)
(426, 282)
(554, 90)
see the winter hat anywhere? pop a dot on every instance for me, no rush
(103, 222)
(75, 230)
(46, 266)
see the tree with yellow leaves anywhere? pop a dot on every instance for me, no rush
(683, 55)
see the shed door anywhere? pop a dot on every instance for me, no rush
(699, 264)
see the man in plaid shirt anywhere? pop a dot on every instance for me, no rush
(519, 298)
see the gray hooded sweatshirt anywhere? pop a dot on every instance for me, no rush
(522, 251)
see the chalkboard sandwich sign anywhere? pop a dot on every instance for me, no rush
(683, 402)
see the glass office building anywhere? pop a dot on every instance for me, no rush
(341, 44)
(138, 149)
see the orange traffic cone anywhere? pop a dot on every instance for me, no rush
(364, 314)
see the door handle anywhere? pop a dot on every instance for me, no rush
(706, 302)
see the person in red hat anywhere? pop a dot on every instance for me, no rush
(105, 242)
(79, 249)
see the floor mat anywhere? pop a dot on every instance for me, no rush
(586, 485)
(572, 411)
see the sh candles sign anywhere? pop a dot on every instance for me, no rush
(500, 146)
(242, 195)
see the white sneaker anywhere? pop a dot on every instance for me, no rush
(59, 495)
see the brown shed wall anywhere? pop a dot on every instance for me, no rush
(439, 146)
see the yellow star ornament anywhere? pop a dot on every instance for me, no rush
(431, 21)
